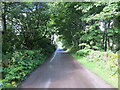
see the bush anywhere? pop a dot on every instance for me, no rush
(107, 60)
(83, 52)
(18, 64)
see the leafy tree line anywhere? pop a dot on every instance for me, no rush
(93, 23)
(28, 30)
(27, 41)
(25, 26)
(92, 33)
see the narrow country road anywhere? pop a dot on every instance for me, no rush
(63, 71)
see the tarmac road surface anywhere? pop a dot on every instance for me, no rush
(63, 71)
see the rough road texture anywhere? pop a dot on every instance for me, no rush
(63, 71)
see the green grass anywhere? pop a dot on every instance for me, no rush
(104, 73)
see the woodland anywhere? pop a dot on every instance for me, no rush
(87, 29)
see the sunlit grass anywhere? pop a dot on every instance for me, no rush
(104, 73)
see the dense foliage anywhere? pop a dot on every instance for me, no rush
(104, 64)
(109, 59)
(26, 26)
(29, 29)
(90, 29)
(19, 64)
(27, 40)
(93, 23)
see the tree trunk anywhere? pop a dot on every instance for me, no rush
(4, 17)
(106, 38)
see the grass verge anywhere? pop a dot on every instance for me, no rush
(104, 73)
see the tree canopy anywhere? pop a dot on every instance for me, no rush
(93, 23)
(29, 30)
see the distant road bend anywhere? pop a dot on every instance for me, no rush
(63, 71)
